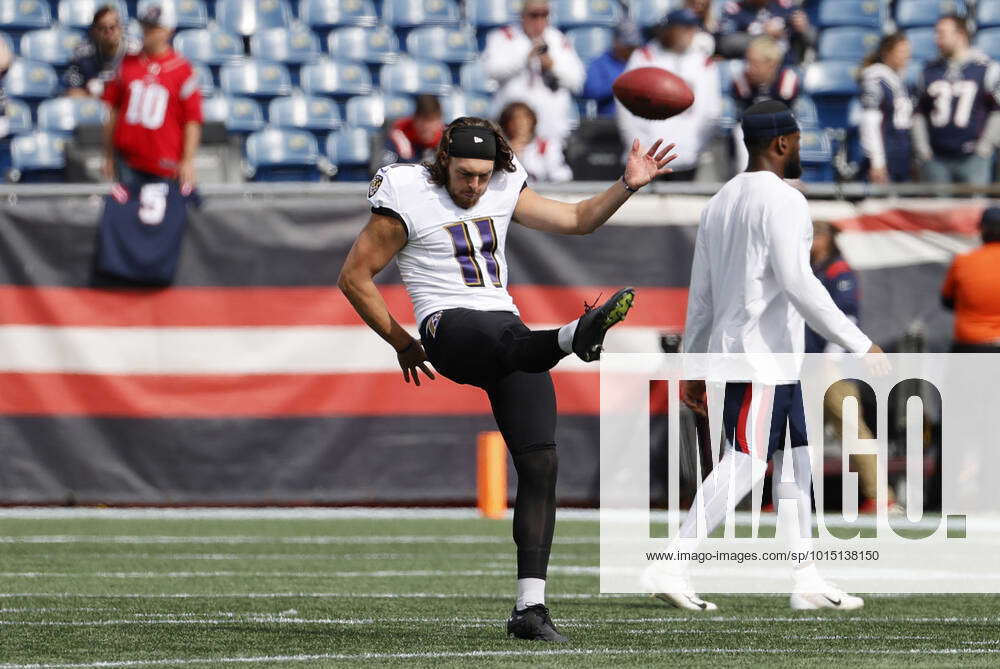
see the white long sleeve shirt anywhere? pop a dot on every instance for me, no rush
(505, 59)
(752, 288)
(693, 129)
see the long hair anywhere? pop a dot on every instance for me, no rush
(508, 113)
(438, 170)
(885, 45)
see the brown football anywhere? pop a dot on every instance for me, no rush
(652, 92)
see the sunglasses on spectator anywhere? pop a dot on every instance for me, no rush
(537, 15)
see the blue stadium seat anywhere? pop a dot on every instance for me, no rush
(335, 78)
(255, 78)
(987, 14)
(414, 77)
(372, 111)
(212, 47)
(286, 45)
(80, 13)
(847, 43)
(485, 15)
(922, 44)
(831, 84)
(368, 45)
(911, 75)
(276, 154)
(205, 80)
(19, 16)
(989, 41)
(50, 45)
(729, 116)
(350, 150)
(464, 104)
(925, 13)
(31, 80)
(816, 152)
(579, 13)
(590, 42)
(246, 17)
(326, 14)
(239, 115)
(38, 157)
(187, 13)
(728, 70)
(403, 14)
(443, 43)
(473, 79)
(805, 111)
(858, 13)
(398, 105)
(18, 117)
(63, 115)
(318, 115)
(649, 13)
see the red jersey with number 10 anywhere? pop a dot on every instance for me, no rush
(155, 96)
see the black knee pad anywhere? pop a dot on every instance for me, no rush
(537, 462)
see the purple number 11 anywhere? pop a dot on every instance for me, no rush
(466, 255)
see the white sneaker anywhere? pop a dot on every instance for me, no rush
(675, 590)
(824, 596)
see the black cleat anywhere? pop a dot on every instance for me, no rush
(534, 624)
(588, 340)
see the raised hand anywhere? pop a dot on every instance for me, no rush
(642, 168)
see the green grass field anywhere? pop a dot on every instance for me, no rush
(341, 591)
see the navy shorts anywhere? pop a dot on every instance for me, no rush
(745, 415)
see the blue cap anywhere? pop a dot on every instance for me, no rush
(682, 17)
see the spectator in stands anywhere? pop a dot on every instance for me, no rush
(970, 289)
(887, 112)
(534, 63)
(956, 128)
(415, 138)
(780, 20)
(155, 102)
(704, 40)
(96, 58)
(604, 69)
(763, 77)
(672, 50)
(542, 159)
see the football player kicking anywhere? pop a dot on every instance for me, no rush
(446, 224)
(752, 290)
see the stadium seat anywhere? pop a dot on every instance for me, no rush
(63, 115)
(987, 14)
(858, 13)
(590, 42)
(729, 117)
(278, 154)
(80, 13)
(404, 14)
(350, 150)
(247, 17)
(805, 112)
(398, 106)
(19, 16)
(372, 111)
(38, 157)
(188, 13)
(414, 77)
(925, 13)
(368, 45)
(205, 80)
(831, 84)
(816, 153)
(335, 78)
(989, 41)
(472, 78)
(847, 43)
(31, 80)
(649, 13)
(316, 114)
(728, 70)
(239, 115)
(464, 104)
(911, 75)
(50, 45)
(255, 78)
(580, 13)
(327, 14)
(443, 43)
(286, 45)
(211, 47)
(18, 116)
(485, 15)
(922, 44)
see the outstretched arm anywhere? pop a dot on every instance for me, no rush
(582, 218)
(377, 244)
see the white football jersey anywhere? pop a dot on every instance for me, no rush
(453, 257)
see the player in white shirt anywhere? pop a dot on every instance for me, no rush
(752, 291)
(446, 224)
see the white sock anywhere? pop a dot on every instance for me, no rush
(796, 527)
(566, 333)
(530, 591)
